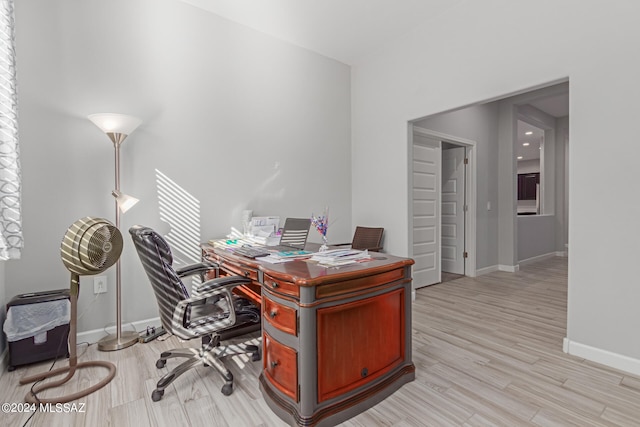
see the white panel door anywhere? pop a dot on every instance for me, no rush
(452, 230)
(426, 210)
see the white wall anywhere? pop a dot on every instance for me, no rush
(474, 53)
(238, 120)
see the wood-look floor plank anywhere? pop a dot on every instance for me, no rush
(487, 350)
(168, 412)
(204, 412)
(130, 414)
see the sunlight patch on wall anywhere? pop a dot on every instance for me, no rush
(181, 211)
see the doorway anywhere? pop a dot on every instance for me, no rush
(442, 206)
(453, 209)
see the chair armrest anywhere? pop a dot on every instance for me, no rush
(200, 267)
(220, 287)
(218, 282)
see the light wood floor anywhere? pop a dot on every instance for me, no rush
(488, 351)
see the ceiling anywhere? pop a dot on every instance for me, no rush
(340, 29)
(528, 146)
(556, 106)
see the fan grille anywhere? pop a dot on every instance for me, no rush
(90, 246)
(100, 246)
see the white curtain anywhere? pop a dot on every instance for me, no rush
(10, 188)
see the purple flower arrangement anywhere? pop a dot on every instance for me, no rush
(321, 223)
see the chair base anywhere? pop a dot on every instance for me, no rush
(210, 354)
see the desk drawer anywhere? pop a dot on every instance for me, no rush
(240, 270)
(281, 286)
(280, 316)
(280, 365)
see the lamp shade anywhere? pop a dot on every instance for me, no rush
(124, 201)
(115, 123)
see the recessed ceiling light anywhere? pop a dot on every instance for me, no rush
(525, 144)
(519, 157)
(529, 133)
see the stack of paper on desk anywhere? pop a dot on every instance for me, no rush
(284, 256)
(292, 254)
(337, 257)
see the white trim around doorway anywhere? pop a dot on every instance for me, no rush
(471, 179)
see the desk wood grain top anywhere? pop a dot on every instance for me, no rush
(309, 273)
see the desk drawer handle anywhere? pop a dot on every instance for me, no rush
(364, 372)
(273, 365)
(246, 274)
(273, 314)
(274, 284)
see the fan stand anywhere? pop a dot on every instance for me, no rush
(73, 362)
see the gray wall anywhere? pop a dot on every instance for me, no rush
(232, 120)
(536, 236)
(3, 304)
(478, 123)
(529, 166)
(562, 183)
(473, 53)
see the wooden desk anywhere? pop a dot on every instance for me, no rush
(336, 341)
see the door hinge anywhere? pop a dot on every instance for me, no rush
(465, 208)
(466, 160)
(465, 254)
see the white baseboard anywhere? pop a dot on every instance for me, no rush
(486, 270)
(96, 334)
(509, 268)
(515, 268)
(604, 357)
(498, 267)
(538, 258)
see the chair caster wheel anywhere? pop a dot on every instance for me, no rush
(160, 363)
(227, 389)
(256, 356)
(157, 395)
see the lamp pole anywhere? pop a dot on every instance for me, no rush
(117, 127)
(110, 343)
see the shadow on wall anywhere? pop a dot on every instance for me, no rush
(181, 211)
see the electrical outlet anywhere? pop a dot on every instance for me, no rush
(100, 285)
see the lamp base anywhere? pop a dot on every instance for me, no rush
(112, 343)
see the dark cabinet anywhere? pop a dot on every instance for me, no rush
(527, 185)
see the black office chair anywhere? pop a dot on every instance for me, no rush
(211, 313)
(295, 232)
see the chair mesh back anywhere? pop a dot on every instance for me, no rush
(156, 258)
(295, 232)
(367, 238)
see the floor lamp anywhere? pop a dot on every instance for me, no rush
(118, 127)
